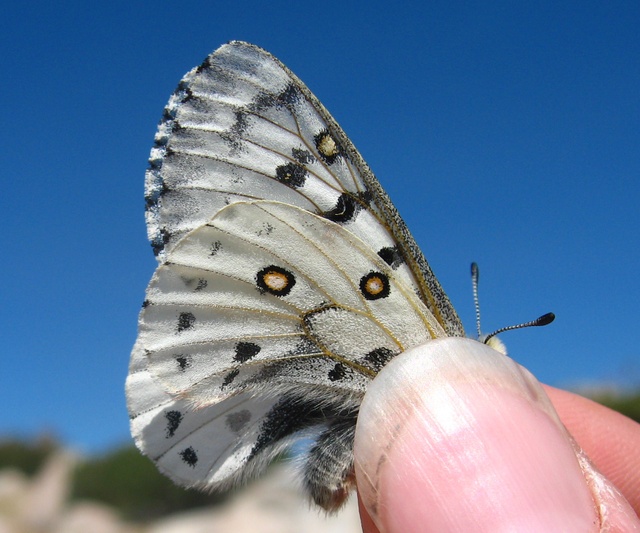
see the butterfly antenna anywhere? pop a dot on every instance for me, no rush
(540, 321)
(475, 276)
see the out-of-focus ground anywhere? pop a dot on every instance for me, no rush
(273, 504)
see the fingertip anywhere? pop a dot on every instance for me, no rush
(453, 436)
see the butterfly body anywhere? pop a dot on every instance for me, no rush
(286, 281)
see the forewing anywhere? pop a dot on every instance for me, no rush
(241, 126)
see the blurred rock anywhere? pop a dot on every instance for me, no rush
(5, 526)
(273, 504)
(13, 488)
(47, 494)
(89, 517)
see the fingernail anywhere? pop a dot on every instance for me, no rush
(453, 436)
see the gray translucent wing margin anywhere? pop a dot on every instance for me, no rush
(231, 442)
(256, 74)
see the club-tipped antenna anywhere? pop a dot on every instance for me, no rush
(540, 321)
(475, 276)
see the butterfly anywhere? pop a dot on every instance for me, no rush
(286, 281)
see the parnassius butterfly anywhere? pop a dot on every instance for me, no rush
(286, 281)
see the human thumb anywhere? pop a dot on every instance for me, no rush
(453, 436)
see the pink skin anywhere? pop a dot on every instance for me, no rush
(455, 437)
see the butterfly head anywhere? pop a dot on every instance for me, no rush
(493, 342)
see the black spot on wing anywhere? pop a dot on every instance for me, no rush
(266, 229)
(189, 456)
(287, 97)
(337, 373)
(234, 135)
(241, 124)
(194, 284)
(392, 256)
(185, 321)
(345, 209)
(365, 197)
(215, 248)
(292, 174)
(263, 101)
(304, 157)
(183, 361)
(246, 351)
(228, 379)
(379, 357)
(233, 141)
(174, 418)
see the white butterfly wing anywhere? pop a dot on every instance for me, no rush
(263, 326)
(205, 448)
(268, 296)
(287, 280)
(241, 126)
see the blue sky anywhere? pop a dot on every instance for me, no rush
(506, 134)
